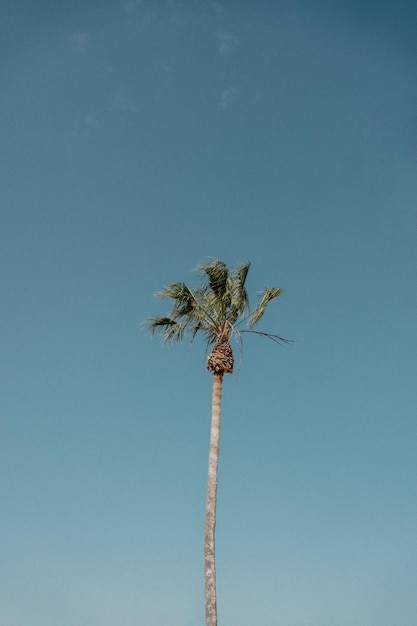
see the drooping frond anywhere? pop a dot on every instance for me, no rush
(171, 331)
(275, 338)
(182, 296)
(215, 309)
(239, 301)
(217, 274)
(207, 301)
(189, 306)
(270, 293)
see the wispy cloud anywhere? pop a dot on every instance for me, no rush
(130, 7)
(227, 42)
(228, 97)
(124, 104)
(75, 138)
(92, 122)
(217, 7)
(80, 42)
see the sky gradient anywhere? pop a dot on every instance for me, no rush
(139, 139)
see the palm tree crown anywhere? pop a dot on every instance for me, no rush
(216, 309)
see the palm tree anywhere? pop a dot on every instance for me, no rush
(216, 309)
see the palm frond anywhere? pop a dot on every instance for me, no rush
(154, 324)
(171, 331)
(216, 308)
(182, 296)
(240, 273)
(216, 273)
(275, 338)
(187, 304)
(239, 301)
(270, 293)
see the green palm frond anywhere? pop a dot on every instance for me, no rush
(189, 305)
(215, 309)
(239, 301)
(183, 299)
(270, 293)
(240, 273)
(207, 300)
(171, 331)
(275, 338)
(217, 274)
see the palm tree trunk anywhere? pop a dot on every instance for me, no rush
(211, 501)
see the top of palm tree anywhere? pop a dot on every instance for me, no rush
(216, 308)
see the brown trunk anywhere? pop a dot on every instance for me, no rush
(211, 502)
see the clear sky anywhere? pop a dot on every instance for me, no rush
(138, 139)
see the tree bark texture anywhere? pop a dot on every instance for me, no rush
(211, 502)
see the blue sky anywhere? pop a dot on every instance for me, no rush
(140, 138)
